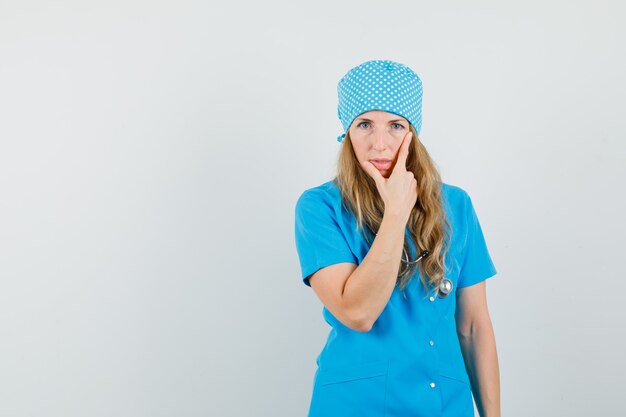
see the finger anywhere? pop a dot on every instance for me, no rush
(403, 153)
(373, 172)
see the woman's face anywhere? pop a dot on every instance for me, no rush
(376, 137)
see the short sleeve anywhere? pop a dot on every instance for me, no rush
(477, 264)
(319, 239)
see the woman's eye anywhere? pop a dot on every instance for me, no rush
(399, 126)
(362, 123)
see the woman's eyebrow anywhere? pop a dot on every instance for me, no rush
(390, 121)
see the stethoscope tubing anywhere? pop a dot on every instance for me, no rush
(445, 288)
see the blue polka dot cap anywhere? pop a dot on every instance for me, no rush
(380, 85)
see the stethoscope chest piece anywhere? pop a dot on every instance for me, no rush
(445, 288)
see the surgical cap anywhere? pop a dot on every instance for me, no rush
(380, 85)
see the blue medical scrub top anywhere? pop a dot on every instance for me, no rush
(410, 362)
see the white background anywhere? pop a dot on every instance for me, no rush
(151, 154)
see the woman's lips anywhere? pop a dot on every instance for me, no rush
(381, 164)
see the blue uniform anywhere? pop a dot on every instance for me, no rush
(410, 362)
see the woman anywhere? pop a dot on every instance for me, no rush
(399, 261)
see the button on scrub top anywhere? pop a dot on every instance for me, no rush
(410, 362)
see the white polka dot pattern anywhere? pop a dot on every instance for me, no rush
(380, 85)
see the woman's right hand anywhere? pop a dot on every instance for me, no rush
(399, 191)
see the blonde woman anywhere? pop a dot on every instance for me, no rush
(399, 261)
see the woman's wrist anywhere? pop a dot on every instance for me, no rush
(394, 220)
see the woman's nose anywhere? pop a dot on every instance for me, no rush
(380, 140)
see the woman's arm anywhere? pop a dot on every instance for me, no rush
(369, 287)
(367, 290)
(478, 346)
(356, 295)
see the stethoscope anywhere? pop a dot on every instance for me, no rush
(445, 287)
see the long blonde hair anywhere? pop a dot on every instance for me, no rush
(427, 224)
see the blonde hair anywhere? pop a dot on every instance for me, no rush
(427, 224)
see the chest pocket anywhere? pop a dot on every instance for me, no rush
(355, 390)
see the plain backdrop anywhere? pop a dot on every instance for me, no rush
(151, 154)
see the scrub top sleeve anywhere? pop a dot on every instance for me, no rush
(319, 239)
(477, 264)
